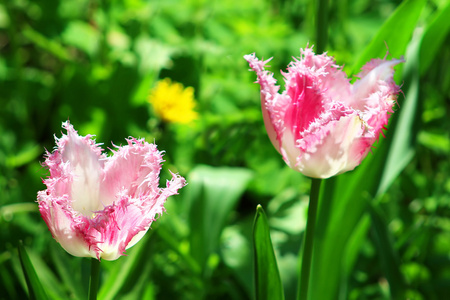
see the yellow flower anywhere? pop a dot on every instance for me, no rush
(172, 102)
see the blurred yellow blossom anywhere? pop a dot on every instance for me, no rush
(172, 102)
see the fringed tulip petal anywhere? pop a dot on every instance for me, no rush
(97, 205)
(268, 93)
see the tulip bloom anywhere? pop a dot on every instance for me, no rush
(322, 124)
(97, 205)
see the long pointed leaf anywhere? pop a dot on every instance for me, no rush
(395, 32)
(267, 277)
(433, 38)
(402, 151)
(389, 258)
(35, 289)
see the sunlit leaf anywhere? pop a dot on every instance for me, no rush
(395, 33)
(433, 38)
(403, 137)
(83, 36)
(211, 195)
(268, 284)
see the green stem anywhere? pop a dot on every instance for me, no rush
(309, 237)
(321, 25)
(93, 281)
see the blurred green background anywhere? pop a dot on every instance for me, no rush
(95, 62)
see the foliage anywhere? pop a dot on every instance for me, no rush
(383, 230)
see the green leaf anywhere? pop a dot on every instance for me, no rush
(433, 38)
(69, 270)
(355, 241)
(46, 44)
(395, 33)
(403, 138)
(35, 289)
(267, 276)
(390, 262)
(53, 287)
(4, 18)
(26, 155)
(438, 142)
(83, 36)
(211, 195)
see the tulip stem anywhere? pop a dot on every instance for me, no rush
(309, 237)
(321, 25)
(93, 281)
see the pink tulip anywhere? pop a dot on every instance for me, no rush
(322, 124)
(97, 205)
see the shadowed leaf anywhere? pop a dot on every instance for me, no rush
(35, 289)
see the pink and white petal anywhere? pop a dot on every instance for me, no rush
(81, 159)
(151, 167)
(331, 79)
(121, 225)
(375, 75)
(315, 61)
(274, 136)
(116, 225)
(306, 101)
(154, 206)
(172, 187)
(327, 150)
(269, 97)
(359, 150)
(289, 151)
(133, 168)
(276, 119)
(62, 225)
(377, 117)
(60, 186)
